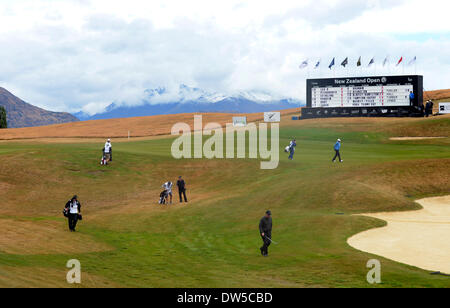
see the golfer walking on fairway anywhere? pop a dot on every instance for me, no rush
(337, 148)
(265, 230)
(107, 151)
(73, 210)
(292, 146)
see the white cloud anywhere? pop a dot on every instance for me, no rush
(82, 55)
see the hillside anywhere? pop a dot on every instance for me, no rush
(138, 127)
(437, 96)
(22, 114)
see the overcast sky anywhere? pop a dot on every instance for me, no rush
(76, 55)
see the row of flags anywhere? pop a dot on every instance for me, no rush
(344, 63)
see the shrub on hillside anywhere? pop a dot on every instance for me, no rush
(3, 122)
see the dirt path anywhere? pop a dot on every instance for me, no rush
(419, 238)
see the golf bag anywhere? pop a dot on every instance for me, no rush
(162, 197)
(103, 161)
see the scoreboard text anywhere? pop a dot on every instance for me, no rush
(389, 91)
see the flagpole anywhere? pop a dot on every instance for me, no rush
(347, 68)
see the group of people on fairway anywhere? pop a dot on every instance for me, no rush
(167, 192)
(429, 108)
(337, 148)
(72, 208)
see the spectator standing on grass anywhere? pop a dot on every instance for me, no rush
(337, 149)
(427, 109)
(181, 189)
(73, 211)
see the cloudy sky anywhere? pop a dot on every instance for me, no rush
(76, 55)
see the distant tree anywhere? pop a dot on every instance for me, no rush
(3, 122)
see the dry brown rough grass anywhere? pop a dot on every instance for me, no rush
(27, 238)
(118, 128)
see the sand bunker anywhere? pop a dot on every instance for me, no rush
(414, 138)
(419, 238)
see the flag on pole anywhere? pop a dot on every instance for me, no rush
(399, 61)
(412, 61)
(385, 61)
(371, 62)
(304, 64)
(331, 64)
(359, 62)
(345, 62)
(317, 64)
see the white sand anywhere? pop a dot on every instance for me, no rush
(419, 238)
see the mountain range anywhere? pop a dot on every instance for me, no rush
(187, 99)
(22, 114)
(159, 101)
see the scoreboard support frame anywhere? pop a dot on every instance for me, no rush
(412, 109)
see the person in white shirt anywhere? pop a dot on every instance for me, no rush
(73, 211)
(168, 188)
(107, 151)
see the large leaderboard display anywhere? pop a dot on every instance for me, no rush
(359, 96)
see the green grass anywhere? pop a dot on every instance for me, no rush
(213, 242)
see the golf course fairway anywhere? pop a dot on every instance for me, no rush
(126, 239)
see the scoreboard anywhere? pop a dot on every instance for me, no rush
(375, 94)
(361, 96)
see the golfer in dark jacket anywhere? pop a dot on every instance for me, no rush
(265, 230)
(73, 210)
(181, 189)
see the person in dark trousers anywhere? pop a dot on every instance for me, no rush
(181, 189)
(292, 146)
(411, 98)
(107, 151)
(427, 107)
(337, 149)
(265, 230)
(431, 107)
(73, 209)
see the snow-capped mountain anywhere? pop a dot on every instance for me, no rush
(188, 100)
